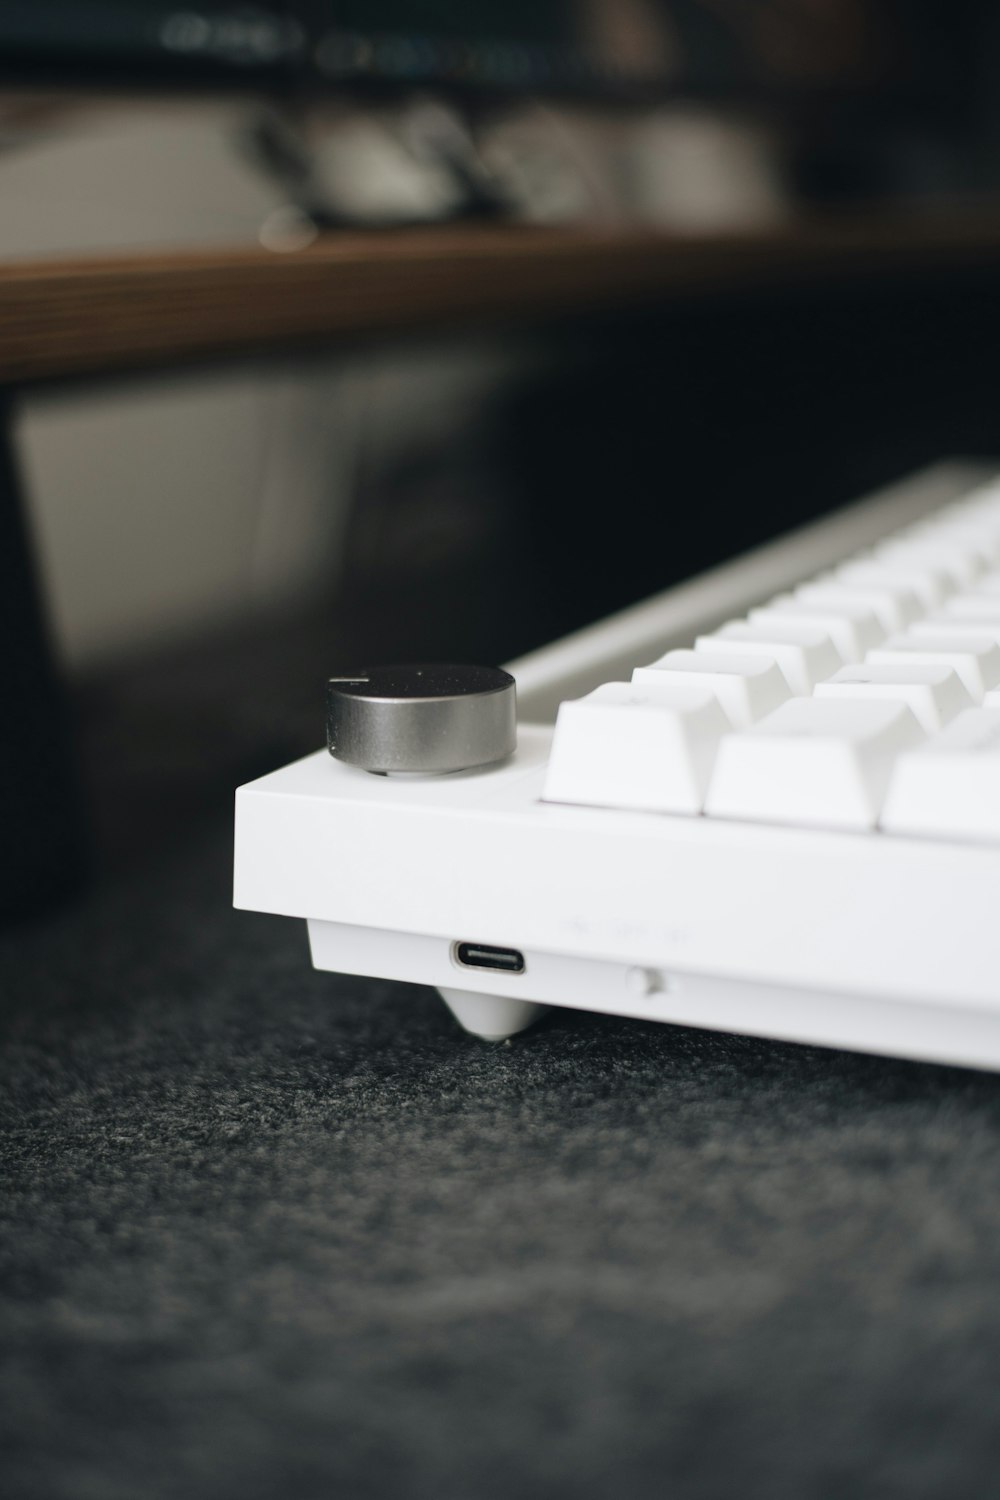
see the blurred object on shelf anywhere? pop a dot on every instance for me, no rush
(367, 171)
(128, 174)
(696, 113)
(699, 170)
(693, 168)
(97, 175)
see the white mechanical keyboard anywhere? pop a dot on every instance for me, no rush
(770, 804)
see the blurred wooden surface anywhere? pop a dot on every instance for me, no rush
(128, 311)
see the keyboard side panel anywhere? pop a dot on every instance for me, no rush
(925, 1032)
(851, 913)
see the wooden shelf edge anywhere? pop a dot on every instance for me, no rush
(93, 315)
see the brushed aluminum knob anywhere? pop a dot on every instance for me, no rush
(428, 717)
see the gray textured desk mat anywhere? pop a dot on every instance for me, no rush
(272, 1233)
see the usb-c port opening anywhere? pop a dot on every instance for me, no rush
(486, 956)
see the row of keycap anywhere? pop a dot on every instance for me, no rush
(868, 697)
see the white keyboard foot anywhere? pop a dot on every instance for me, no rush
(492, 1017)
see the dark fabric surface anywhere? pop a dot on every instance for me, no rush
(272, 1233)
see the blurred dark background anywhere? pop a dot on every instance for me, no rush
(341, 332)
(229, 531)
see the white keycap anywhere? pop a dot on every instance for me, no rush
(894, 605)
(974, 657)
(630, 747)
(972, 608)
(961, 564)
(814, 761)
(930, 586)
(746, 688)
(962, 535)
(970, 528)
(852, 626)
(935, 694)
(984, 500)
(804, 653)
(951, 785)
(940, 622)
(988, 584)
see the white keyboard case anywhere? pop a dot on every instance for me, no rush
(876, 943)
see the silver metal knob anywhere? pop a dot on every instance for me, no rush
(427, 717)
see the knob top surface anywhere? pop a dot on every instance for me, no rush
(422, 680)
(427, 717)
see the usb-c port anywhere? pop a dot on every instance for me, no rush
(485, 956)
